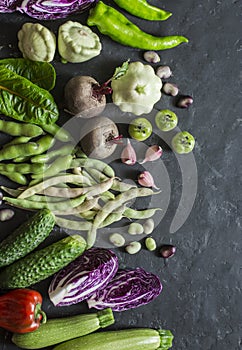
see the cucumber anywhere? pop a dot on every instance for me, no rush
(43, 263)
(125, 339)
(26, 237)
(58, 330)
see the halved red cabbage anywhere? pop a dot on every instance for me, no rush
(127, 290)
(81, 278)
(53, 9)
(9, 5)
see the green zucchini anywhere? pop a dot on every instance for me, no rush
(58, 330)
(126, 339)
(43, 263)
(26, 237)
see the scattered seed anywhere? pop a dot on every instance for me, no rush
(150, 243)
(184, 101)
(164, 72)
(148, 226)
(135, 228)
(117, 239)
(151, 57)
(167, 251)
(170, 89)
(6, 214)
(133, 247)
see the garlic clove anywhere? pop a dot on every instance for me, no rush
(146, 179)
(128, 155)
(153, 153)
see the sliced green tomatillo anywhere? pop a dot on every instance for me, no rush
(166, 120)
(140, 129)
(183, 142)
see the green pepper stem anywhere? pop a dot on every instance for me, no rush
(40, 314)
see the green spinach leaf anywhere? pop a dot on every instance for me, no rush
(40, 73)
(25, 101)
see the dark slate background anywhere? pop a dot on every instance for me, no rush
(201, 298)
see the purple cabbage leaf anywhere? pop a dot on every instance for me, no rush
(82, 277)
(128, 289)
(53, 9)
(9, 5)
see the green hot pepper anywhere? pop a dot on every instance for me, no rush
(142, 9)
(112, 23)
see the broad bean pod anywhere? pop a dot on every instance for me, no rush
(20, 129)
(58, 132)
(23, 168)
(44, 158)
(58, 165)
(16, 177)
(21, 150)
(18, 140)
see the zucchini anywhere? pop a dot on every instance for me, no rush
(43, 263)
(126, 339)
(26, 237)
(58, 330)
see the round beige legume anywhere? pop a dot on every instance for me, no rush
(117, 239)
(133, 247)
(148, 226)
(135, 228)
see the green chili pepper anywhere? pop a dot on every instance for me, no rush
(142, 9)
(114, 24)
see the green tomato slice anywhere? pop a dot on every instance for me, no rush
(140, 129)
(183, 142)
(166, 120)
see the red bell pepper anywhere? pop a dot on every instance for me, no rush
(20, 310)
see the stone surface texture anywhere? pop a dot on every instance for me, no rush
(201, 301)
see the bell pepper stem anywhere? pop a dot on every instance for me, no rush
(40, 314)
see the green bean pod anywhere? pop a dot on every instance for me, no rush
(53, 206)
(114, 24)
(140, 214)
(93, 163)
(20, 129)
(40, 187)
(76, 225)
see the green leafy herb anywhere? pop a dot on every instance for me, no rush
(40, 73)
(25, 101)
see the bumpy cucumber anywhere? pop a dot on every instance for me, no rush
(43, 263)
(26, 237)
